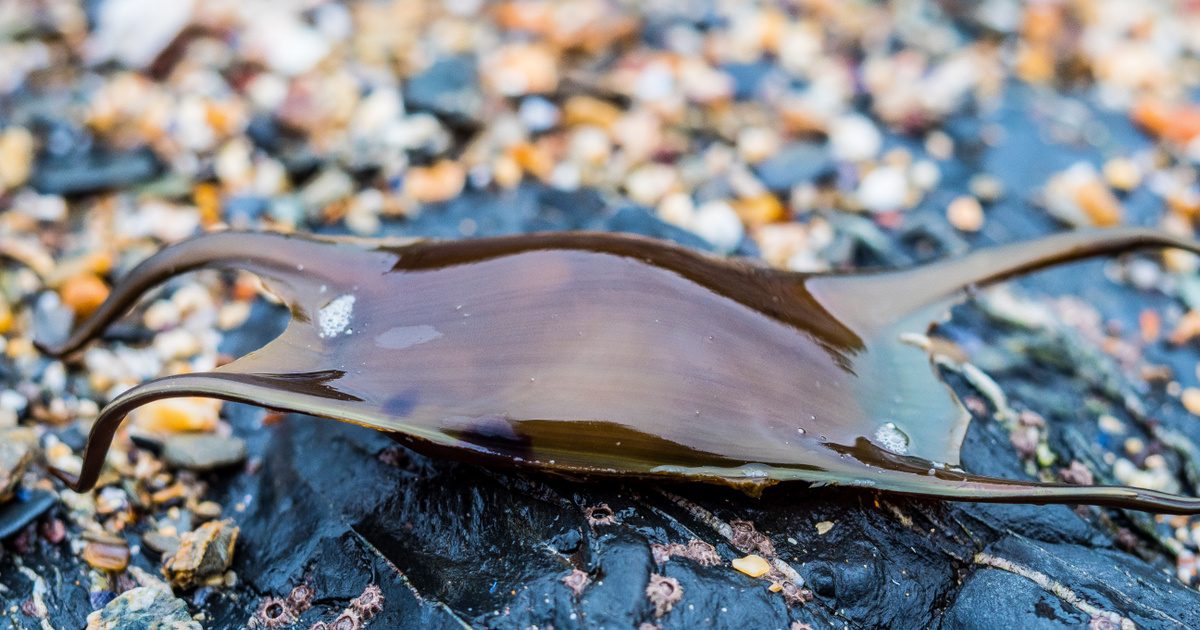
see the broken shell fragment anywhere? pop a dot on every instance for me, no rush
(752, 565)
(203, 554)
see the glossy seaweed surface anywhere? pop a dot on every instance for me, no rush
(605, 354)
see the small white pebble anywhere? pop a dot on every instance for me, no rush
(717, 223)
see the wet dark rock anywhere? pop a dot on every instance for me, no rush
(203, 452)
(795, 164)
(94, 171)
(24, 509)
(449, 89)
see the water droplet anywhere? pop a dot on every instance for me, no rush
(891, 438)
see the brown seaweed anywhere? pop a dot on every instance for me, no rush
(616, 355)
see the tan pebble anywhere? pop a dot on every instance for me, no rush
(439, 182)
(965, 213)
(506, 171)
(173, 492)
(172, 415)
(1180, 261)
(1122, 174)
(752, 565)
(823, 527)
(232, 315)
(1191, 400)
(207, 510)
(1099, 203)
(939, 145)
(589, 110)
(987, 188)
(755, 144)
(16, 156)
(83, 293)
(1186, 329)
(106, 556)
(1133, 446)
(521, 68)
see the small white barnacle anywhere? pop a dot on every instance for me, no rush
(891, 438)
(334, 318)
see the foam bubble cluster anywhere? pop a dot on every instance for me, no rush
(334, 318)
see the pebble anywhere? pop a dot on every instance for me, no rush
(854, 138)
(202, 452)
(823, 527)
(649, 183)
(521, 68)
(589, 110)
(449, 88)
(1122, 174)
(1078, 197)
(284, 41)
(884, 189)
(83, 294)
(18, 447)
(986, 188)
(163, 543)
(538, 114)
(752, 565)
(717, 223)
(965, 213)
(760, 209)
(203, 555)
(144, 607)
(795, 164)
(1191, 400)
(677, 209)
(135, 32)
(442, 181)
(174, 415)
(20, 512)
(755, 144)
(106, 555)
(16, 157)
(96, 171)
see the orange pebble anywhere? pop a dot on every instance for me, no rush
(760, 209)
(1150, 324)
(439, 182)
(83, 293)
(589, 110)
(1101, 206)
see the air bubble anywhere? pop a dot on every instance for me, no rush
(891, 438)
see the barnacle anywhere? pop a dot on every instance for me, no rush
(599, 514)
(602, 354)
(273, 612)
(369, 602)
(664, 592)
(348, 620)
(576, 580)
(300, 599)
